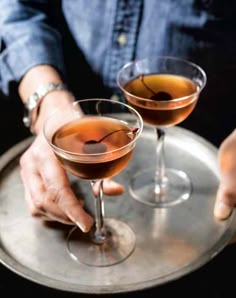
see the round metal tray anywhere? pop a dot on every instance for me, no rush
(170, 242)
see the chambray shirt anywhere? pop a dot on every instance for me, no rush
(108, 33)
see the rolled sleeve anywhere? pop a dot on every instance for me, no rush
(27, 40)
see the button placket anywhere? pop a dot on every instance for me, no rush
(122, 39)
(125, 30)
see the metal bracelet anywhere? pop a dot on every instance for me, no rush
(34, 100)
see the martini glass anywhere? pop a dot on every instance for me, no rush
(95, 139)
(164, 90)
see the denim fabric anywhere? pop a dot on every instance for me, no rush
(110, 33)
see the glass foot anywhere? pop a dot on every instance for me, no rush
(118, 246)
(176, 189)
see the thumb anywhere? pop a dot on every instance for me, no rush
(225, 202)
(226, 194)
(111, 187)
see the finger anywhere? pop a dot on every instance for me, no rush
(111, 187)
(226, 195)
(64, 198)
(29, 203)
(51, 210)
(225, 202)
(73, 209)
(33, 190)
(40, 200)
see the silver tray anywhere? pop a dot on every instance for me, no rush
(170, 243)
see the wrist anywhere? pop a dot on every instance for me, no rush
(36, 88)
(33, 102)
(51, 101)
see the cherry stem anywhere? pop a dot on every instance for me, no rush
(146, 86)
(99, 141)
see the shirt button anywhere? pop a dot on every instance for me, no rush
(122, 39)
(115, 97)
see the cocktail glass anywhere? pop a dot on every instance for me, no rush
(164, 90)
(95, 139)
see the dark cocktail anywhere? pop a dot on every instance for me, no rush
(164, 90)
(94, 139)
(94, 136)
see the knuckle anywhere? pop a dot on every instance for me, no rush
(51, 196)
(38, 204)
(36, 151)
(23, 160)
(34, 212)
(22, 172)
(64, 199)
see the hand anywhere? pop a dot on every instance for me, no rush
(226, 194)
(47, 188)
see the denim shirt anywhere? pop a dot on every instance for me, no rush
(109, 33)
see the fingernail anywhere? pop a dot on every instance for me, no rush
(81, 226)
(222, 210)
(84, 228)
(83, 220)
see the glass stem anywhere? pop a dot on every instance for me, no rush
(160, 181)
(100, 234)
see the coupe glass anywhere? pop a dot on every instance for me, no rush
(164, 90)
(95, 139)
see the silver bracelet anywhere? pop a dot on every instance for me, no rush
(33, 102)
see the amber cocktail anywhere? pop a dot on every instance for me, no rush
(164, 90)
(95, 139)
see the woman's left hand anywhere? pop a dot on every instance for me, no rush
(226, 194)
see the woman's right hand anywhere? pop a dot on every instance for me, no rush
(47, 188)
